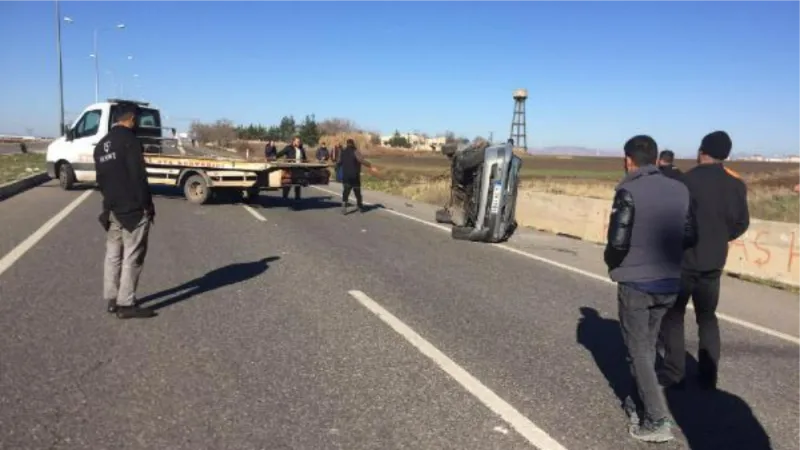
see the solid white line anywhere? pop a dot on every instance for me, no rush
(28, 243)
(742, 323)
(532, 433)
(255, 213)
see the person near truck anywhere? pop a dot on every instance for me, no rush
(296, 152)
(270, 151)
(651, 223)
(351, 161)
(720, 198)
(128, 212)
(323, 154)
(666, 164)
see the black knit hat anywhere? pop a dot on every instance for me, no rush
(717, 145)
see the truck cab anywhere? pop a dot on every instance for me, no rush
(70, 158)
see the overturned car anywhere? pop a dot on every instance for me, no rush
(483, 191)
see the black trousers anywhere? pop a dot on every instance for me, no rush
(355, 186)
(703, 289)
(296, 192)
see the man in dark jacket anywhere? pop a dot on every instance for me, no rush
(651, 223)
(722, 216)
(323, 155)
(666, 165)
(293, 151)
(351, 161)
(127, 213)
(270, 152)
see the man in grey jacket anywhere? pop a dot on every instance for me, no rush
(651, 223)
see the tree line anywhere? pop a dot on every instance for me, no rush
(224, 132)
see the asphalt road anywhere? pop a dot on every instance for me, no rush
(259, 343)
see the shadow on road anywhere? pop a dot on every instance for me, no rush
(304, 204)
(218, 278)
(367, 208)
(710, 420)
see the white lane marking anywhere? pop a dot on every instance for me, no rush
(532, 433)
(37, 235)
(255, 213)
(730, 319)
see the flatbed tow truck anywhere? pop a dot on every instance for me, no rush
(70, 159)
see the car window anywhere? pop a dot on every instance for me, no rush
(89, 124)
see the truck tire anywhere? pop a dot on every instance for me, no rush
(196, 190)
(66, 176)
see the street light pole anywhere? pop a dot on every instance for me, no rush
(60, 69)
(96, 70)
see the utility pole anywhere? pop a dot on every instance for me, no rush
(60, 69)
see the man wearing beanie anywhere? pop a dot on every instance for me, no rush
(720, 200)
(651, 224)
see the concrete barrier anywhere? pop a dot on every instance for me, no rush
(768, 251)
(15, 187)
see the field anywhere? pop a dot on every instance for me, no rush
(17, 166)
(424, 177)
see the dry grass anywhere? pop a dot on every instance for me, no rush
(424, 178)
(18, 166)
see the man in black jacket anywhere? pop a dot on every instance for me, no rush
(722, 216)
(127, 213)
(666, 164)
(270, 152)
(651, 223)
(351, 161)
(293, 151)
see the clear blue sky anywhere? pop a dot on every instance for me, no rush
(597, 72)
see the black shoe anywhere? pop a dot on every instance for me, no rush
(707, 382)
(134, 312)
(361, 209)
(673, 385)
(112, 306)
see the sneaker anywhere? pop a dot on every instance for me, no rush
(656, 432)
(344, 208)
(134, 312)
(112, 306)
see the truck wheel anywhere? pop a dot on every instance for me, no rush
(196, 190)
(66, 176)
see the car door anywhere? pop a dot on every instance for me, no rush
(86, 134)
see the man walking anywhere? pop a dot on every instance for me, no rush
(720, 197)
(351, 161)
(666, 164)
(127, 213)
(297, 152)
(651, 223)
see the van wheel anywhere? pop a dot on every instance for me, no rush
(66, 176)
(196, 189)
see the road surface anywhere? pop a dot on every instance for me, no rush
(291, 326)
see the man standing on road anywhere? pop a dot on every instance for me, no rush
(128, 212)
(351, 161)
(720, 198)
(651, 223)
(666, 165)
(297, 152)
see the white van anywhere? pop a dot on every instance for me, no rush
(70, 158)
